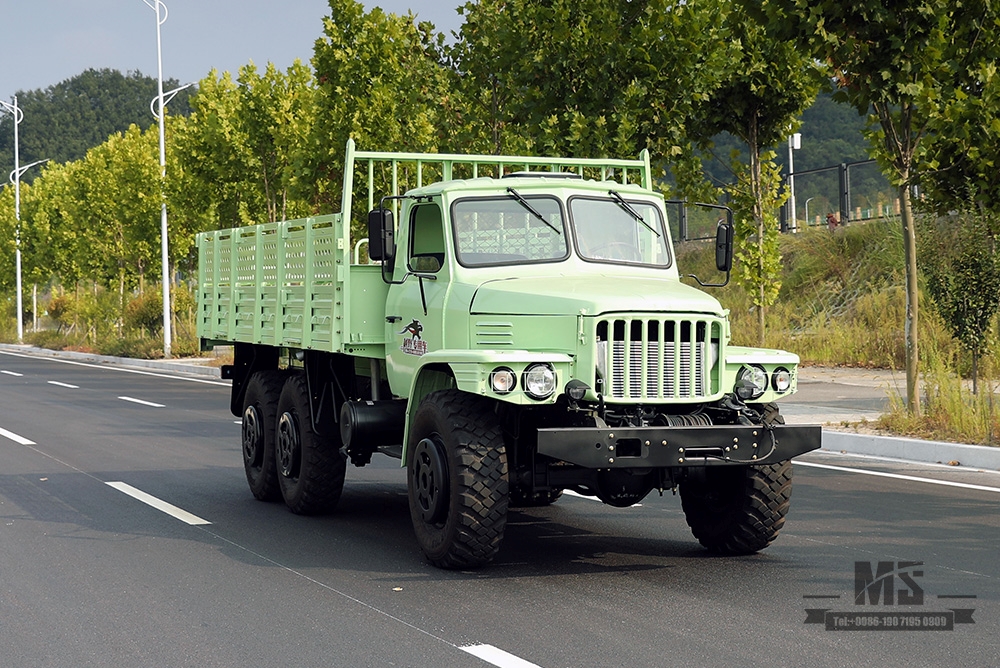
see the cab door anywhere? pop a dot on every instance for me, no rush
(415, 306)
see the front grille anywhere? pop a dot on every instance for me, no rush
(647, 359)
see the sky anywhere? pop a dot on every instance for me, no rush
(44, 42)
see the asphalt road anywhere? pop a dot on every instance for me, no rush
(91, 576)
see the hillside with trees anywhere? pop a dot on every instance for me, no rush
(63, 121)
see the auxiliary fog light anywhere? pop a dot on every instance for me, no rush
(503, 380)
(781, 380)
(576, 389)
(751, 382)
(539, 381)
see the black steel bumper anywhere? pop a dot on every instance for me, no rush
(657, 447)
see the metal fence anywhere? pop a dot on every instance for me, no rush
(850, 191)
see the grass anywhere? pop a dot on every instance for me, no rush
(842, 303)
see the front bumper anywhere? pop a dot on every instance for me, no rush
(671, 447)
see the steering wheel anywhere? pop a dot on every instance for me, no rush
(616, 250)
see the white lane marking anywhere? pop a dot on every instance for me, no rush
(11, 373)
(140, 401)
(21, 440)
(900, 476)
(498, 657)
(150, 500)
(108, 367)
(56, 382)
(569, 492)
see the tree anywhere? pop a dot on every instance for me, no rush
(589, 77)
(241, 151)
(902, 61)
(380, 81)
(960, 256)
(766, 87)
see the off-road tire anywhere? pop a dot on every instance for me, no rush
(260, 408)
(739, 509)
(457, 479)
(311, 469)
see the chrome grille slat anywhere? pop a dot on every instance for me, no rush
(647, 359)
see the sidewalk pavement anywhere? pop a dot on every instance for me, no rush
(837, 398)
(843, 399)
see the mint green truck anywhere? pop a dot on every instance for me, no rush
(512, 328)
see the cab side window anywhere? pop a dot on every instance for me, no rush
(426, 238)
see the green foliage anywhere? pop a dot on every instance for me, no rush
(910, 64)
(764, 87)
(64, 121)
(380, 81)
(588, 78)
(755, 202)
(145, 313)
(961, 263)
(841, 301)
(952, 411)
(239, 157)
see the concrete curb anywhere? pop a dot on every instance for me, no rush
(193, 368)
(911, 449)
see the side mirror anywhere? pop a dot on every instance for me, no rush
(723, 237)
(724, 246)
(381, 235)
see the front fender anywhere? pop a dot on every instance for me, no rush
(469, 371)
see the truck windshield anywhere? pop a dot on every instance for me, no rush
(607, 231)
(501, 230)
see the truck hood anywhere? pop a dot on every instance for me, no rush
(590, 295)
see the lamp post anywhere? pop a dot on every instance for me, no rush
(794, 142)
(161, 17)
(15, 178)
(807, 210)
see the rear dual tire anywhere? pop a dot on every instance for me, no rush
(284, 456)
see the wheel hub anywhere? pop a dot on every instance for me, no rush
(287, 446)
(430, 482)
(252, 437)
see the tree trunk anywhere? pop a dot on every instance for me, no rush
(758, 215)
(910, 255)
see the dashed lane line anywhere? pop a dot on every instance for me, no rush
(21, 440)
(159, 504)
(11, 373)
(498, 657)
(56, 382)
(141, 402)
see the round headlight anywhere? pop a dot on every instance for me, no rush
(539, 381)
(781, 379)
(751, 382)
(503, 380)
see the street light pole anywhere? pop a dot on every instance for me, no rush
(16, 180)
(807, 210)
(164, 244)
(794, 142)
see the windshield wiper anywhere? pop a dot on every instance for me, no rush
(523, 202)
(628, 207)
